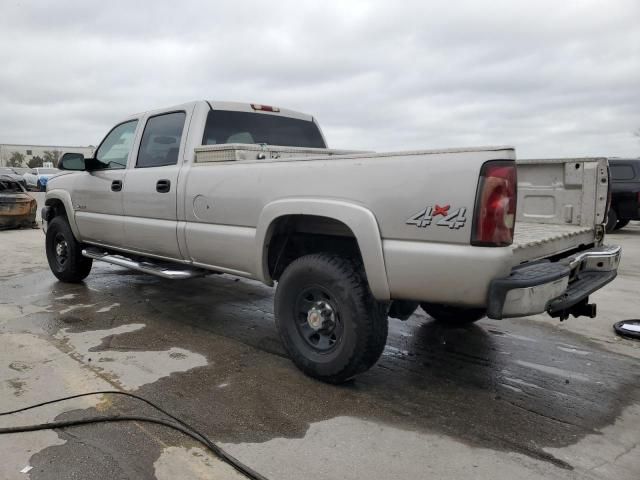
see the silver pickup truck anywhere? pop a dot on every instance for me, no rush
(350, 237)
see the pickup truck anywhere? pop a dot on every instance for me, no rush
(350, 237)
(625, 192)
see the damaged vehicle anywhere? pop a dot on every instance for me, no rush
(17, 207)
(10, 172)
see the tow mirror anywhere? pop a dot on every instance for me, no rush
(72, 161)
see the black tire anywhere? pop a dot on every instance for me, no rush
(612, 221)
(64, 252)
(453, 316)
(621, 224)
(353, 331)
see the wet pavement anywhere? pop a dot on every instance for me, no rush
(525, 398)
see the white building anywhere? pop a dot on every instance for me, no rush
(31, 151)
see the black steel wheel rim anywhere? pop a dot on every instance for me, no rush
(317, 299)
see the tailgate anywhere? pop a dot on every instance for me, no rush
(561, 205)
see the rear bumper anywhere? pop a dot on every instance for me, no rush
(557, 288)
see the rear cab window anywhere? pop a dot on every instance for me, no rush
(225, 126)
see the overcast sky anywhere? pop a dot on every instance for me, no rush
(552, 78)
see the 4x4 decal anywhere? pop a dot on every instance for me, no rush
(454, 219)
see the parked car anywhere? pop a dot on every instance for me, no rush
(11, 173)
(17, 207)
(350, 237)
(37, 178)
(625, 192)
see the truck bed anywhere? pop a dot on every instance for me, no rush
(533, 241)
(560, 202)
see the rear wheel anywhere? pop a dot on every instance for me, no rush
(64, 252)
(612, 220)
(330, 324)
(454, 316)
(621, 224)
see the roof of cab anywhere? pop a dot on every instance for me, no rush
(233, 106)
(247, 107)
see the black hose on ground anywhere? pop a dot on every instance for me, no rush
(179, 425)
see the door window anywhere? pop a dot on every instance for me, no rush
(160, 143)
(114, 150)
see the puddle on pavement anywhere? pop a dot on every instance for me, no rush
(128, 368)
(431, 380)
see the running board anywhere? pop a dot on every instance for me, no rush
(144, 267)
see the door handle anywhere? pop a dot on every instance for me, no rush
(116, 185)
(163, 186)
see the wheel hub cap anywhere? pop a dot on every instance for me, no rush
(321, 316)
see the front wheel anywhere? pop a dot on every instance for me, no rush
(453, 316)
(64, 253)
(330, 324)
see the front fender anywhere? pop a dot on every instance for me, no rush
(359, 219)
(64, 197)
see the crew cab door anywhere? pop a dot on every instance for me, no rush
(97, 194)
(150, 192)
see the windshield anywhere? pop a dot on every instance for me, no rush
(245, 127)
(47, 171)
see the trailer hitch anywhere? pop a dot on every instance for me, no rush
(581, 309)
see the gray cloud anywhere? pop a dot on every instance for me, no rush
(551, 78)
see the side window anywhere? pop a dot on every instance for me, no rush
(114, 149)
(160, 142)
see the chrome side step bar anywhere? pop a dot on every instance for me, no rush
(144, 267)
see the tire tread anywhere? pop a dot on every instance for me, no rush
(372, 326)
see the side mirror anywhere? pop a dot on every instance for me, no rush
(72, 161)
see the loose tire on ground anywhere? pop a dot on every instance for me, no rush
(453, 316)
(330, 324)
(612, 221)
(64, 252)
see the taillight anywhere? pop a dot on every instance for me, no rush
(495, 211)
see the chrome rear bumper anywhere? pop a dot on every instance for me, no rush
(560, 288)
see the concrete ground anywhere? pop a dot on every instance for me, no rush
(525, 399)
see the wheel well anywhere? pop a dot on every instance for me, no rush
(292, 236)
(57, 206)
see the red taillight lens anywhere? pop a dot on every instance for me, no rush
(495, 211)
